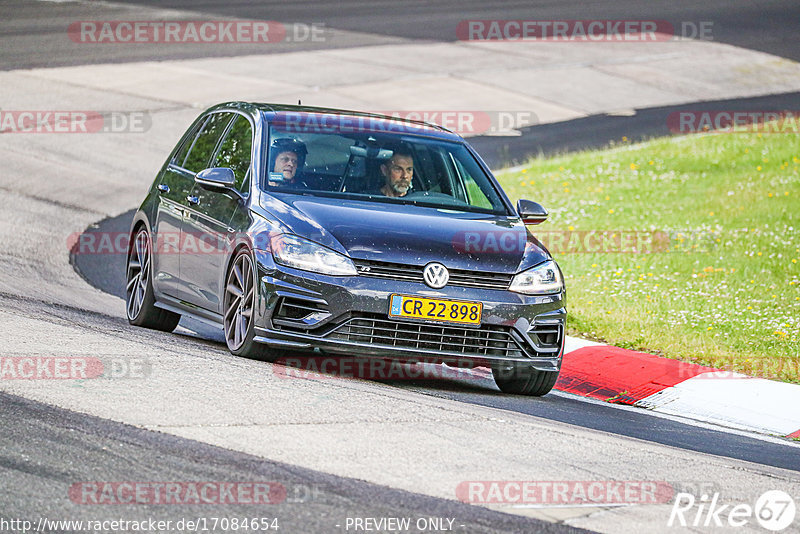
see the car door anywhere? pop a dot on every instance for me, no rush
(197, 158)
(174, 187)
(207, 222)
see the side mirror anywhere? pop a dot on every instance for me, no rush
(216, 178)
(531, 212)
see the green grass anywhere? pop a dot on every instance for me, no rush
(723, 287)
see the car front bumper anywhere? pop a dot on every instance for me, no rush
(299, 310)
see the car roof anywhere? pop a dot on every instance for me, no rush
(361, 120)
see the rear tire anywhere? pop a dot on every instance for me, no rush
(239, 305)
(522, 379)
(139, 295)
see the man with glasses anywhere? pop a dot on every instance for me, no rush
(287, 157)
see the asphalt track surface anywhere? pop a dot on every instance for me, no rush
(50, 449)
(33, 34)
(44, 449)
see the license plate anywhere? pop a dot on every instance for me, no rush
(439, 310)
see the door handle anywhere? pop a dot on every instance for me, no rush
(194, 201)
(164, 188)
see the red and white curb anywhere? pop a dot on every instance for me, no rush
(671, 387)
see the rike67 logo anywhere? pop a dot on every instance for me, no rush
(774, 510)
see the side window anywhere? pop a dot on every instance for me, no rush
(475, 195)
(234, 152)
(180, 155)
(205, 142)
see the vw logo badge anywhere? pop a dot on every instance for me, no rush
(436, 275)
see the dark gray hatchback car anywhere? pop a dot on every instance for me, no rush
(300, 229)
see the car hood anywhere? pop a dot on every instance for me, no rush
(409, 234)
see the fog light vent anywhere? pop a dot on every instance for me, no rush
(299, 314)
(547, 336)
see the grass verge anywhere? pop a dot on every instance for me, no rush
(687, 247)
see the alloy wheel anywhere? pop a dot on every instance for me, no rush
(138, 274)
(239, 301)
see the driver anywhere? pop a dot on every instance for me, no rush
(398, 172)
(287, 157)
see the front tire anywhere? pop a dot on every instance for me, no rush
(238, 305)
(522, 379)
(139, 295)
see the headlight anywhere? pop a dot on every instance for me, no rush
(540, 280)
(300, 253)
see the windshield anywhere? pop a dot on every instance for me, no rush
(378, 167)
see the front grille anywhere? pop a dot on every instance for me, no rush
(486, 340)
(413, 273)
